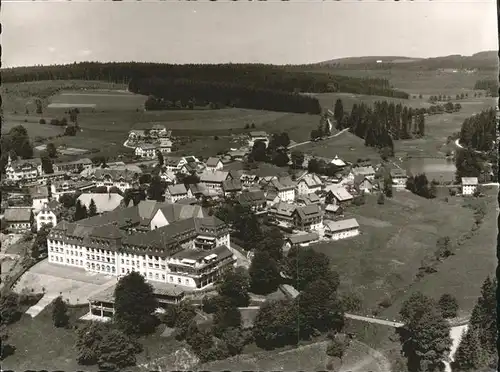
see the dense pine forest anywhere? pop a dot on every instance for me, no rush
(381, 124)
(479, 131)
(490, 86)
(257, 76)
(168, 94)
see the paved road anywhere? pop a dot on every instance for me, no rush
(305, 142)
(375, 320)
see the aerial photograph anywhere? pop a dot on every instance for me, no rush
(238, 186)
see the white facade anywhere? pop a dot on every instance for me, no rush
(342, 234)
(153, 268)
(254, 139)
(469, 185)
(287, 195)
(109, 183)
(148, 152)
(45, 217)
(304, 188)
(399, 182)
(39, 202)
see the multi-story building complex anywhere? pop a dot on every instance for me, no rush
(123, 179)
(146, 150)
(59, 188)
(308, 218)
(188, 252)
(24, 169)
(18, 219)
(285, 188)
(214, 180)
(309, 184)
(73, 166)
(214, 164)
(48, 215)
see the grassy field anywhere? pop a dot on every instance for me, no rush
(32, 125)
(30, 336)
(104, 100)
(396, 237)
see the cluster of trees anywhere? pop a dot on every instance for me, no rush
(478, 346)
(284, 322)
(15, 143)
(275, 153)
(278, 78)
(425, 337)
(421, 186)
(479, 131)
(444, 98)
(489, 85)
(82, 212)
(380, 124)
(320, 166)
(181, 93)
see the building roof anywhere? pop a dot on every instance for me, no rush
(231, 185)
(114, 174)
(289, 290)
(175, 212)
(397, 172)
(309, 211)
(214, 177)
(284, 209)
(83, 161)
(283, 183)
(271, 195)
(252, 197)
(360, 178)
(198, 188)
(20, 162)
(178, 189)
(469, 181)
(198, 254)
(212, 161)
(311, 198)
(137, 131)
(172, 161)
(311, 180)
(158, 127)
(258, 134)
(333, 226)
(21, 214)
(303, 238)
(146, 146)
(104, 202)
(338, 162)
(39, 192)
(363, 170)
(339, 192)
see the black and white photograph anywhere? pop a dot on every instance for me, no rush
(249, 185)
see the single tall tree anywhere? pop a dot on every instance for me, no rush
(80, 211)
(51, 150)
(448, 305)
(264, 273)
(60, 313)
(160, 158)
(92, 208)
(116, 351)
(135, 305)
(338, 112)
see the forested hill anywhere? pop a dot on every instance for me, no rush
(252, 76)
(486, 61)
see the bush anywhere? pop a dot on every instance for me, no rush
(42, 121)
(358, 200)
(448, 305)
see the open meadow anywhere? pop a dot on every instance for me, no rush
(382, 262)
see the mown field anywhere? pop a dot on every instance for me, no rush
(395, 237)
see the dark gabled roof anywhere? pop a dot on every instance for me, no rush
(212, 161)
(198, 188)
(311, 210)
(303, 238)
(175, 212)
(231, 185)
(178, 189)
(252, 197)
(172, 161)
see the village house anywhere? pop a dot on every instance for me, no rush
(368, 172)
(342, 229)
(167, 176)
(214, 180)
(332, 211)
(123, 179)
(363, 184)
(23, 169)
(177, 192)
(59, 188)
(76, 166)
(198, 190)
(338, 195)
(18, 219)
(193, 167)
(338, 162)
(237, 155)
(301, 240)
(186, 252)
(39, 197)
(308, 199)
(146, 150)
(309, 184)
(399, 178)
(258, 136)
(283, 213)
(173, 163)
(136, 134)
(272, 198)
(45, 178)
(103, 202)
(469, 185)
(231, 187)
(213, 164)
(256, 200)
(49, 214)
(102, 304)
(285, 188)
(308, 218)
(165, 146)
(248, 180)
(158, 130)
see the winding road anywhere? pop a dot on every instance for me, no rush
(306, 142)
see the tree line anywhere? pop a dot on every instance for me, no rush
(182, 93)
(489, 85)
(479, 131)
(15, 143)
(258, 76)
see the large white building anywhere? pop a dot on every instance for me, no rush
(188, 252)
(146, 150)
(46, 216)
(23, 170)
(342, 229)
(258, 136)
(309, 184)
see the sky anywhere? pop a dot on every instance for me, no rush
(295, 32)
